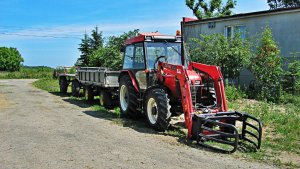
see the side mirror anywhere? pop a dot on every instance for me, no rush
(123, 48)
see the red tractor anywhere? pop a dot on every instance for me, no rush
(159, 81)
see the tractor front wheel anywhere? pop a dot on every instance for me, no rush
(157, 109)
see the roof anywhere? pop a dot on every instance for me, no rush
(144, 36)
(243, 15)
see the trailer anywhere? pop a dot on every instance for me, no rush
(93, 81)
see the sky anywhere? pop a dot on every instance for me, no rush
(48, 32)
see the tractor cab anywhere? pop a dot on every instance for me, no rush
(142, 51)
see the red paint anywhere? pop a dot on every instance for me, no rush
(133, 80)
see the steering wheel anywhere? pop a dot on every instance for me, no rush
(156, 60)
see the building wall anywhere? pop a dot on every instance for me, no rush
(285, 28)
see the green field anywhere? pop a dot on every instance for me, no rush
(26, 72)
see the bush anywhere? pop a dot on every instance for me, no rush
(291, 81)
(106, 57)
(233, 93)
(231, 54)
(266, 67)
(10, 59)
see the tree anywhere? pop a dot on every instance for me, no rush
(202, 9)
(10, 59)
(96, 40)
(85, 49)
(266, 66)
(118, 41)
(231, 54)
(109, 55)
(274, 4)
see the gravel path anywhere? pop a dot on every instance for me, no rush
(42, 130)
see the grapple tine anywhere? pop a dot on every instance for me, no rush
(218, 131)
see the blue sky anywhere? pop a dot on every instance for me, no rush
(47, 32)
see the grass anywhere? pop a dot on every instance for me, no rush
(281, 128)
(26, 72)
(281, 132)
(48, 84)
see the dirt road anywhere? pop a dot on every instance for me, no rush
(43, 130)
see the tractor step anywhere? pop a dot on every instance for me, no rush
(221, 132)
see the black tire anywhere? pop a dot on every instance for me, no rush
(88, 93)
(75, 88)
(157, 109)
(105, 99)
(63, 84)
(129, 98)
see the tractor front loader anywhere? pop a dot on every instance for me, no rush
(200, 88)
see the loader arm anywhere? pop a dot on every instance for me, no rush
(215, 126)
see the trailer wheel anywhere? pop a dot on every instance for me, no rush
(63, 84)
(75, 88)
(88, 93)
(157, 109)
(128, 97)
(105, 99)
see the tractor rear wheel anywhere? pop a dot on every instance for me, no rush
(75, 88)
(63, 84)
(157, 109)
(128, 98)
(105, 99)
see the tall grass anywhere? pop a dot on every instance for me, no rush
(26, 72)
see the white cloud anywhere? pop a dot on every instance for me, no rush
(77, 31)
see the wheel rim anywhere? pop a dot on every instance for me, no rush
(123, 98)
(152, 111)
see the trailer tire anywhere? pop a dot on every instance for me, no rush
(75, 88)
(128, 98)
(88, 93)
(63, 84)
(157, 109)
(105, 99)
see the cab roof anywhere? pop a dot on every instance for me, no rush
(142, 37)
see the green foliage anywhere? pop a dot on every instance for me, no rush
(230, 54)
(97, 54)
(10, 59)
(26, 72)
(291, 81)
(85, 50)
(266, 67)
(96, 40)
(48, 84)
(202, 9)
(233, 93)
(274, 4)
(106, 57)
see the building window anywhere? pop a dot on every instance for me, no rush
(230, 31)
(211, 25)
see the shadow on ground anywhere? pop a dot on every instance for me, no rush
(176, 130)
